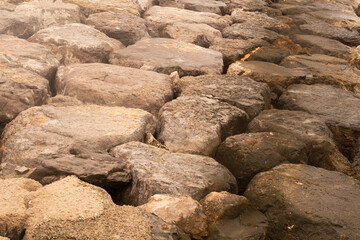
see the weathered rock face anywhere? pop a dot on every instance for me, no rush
(232, 217)
(167, 56)
(211, 6)
(338, 108)
(327, 70)
(117, 6)
(159, 17)
(184, 211)
(269, 54)
(156, 171)
(196, 33)
(197, 125)
(126, 28)
(40, 133)
(12, 205)
(77, 43)
(31, 56)
(50, 14)
(111, 85)
(307, 128)
(4, 5)
(72, 209)
(301, 201)
(20, 89)
(245, 155)
(17, 24)
(247, 5)
(241, 92)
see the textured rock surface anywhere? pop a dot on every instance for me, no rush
(124, 27)
(184, 211)
(77, 43)
(211, 6)
(269, 54)
(338, 108)
(301, 201)
(31, 56)
(197, 125)
(168, 55)
(111, 85)
(17, 24)
(43, 132)
(241, 92)
(156, 171)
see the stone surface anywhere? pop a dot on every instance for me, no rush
(307, 128)
(197, 125)
(31, 56)
(184, 211)
(17, 24)
(72, 209)
(20, 89)
(50, 14)
(4, 5)
(327, 70)
(269, 54)
(77, 43)
(117, 6)
(13, 215)
(196, 33)
(247, 5)
(124, 27)
(241, 92)
(246, 155)
(338, 108)
(159, 17)
(40, 133)
(168, 55)
(158, 171)
(111, 85)
(211, 6)
(232, 217)
(301, 201)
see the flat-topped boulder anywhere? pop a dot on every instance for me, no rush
(340, 110)
(40, 133)
(310, 130)
(156, 171)
(159, 17)
(50, 14)
(111, 85)
(241, 92)
(77, 43)
(212, 6)
(20, 89)
(269, 54)
(301, 201)
(17, 24)
(117, 6)
(167, 55)
(31, 56)
(126, 28)
(197, 125)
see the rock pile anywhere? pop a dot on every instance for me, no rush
(179, 119)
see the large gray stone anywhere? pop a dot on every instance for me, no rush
(111, 85)
(77, 43)
(197, 125)
(167, 55)
(156, 171)
(17, 24)
(304, 202)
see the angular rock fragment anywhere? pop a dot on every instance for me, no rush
(301, 201)
(126, 28)
(77, 43)
(167, 55)
(17, 24)
(197, 125)
(31, 56)
(158, 171)
(269, 54)
(211, 6)
(112, 85)
(241, 92)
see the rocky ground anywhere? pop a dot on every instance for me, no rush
(180, 119)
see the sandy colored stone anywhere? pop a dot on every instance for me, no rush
(77, 43)
(211, 6)
(165, 55)
(17, 24)
(4, 5)
(112, 85)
